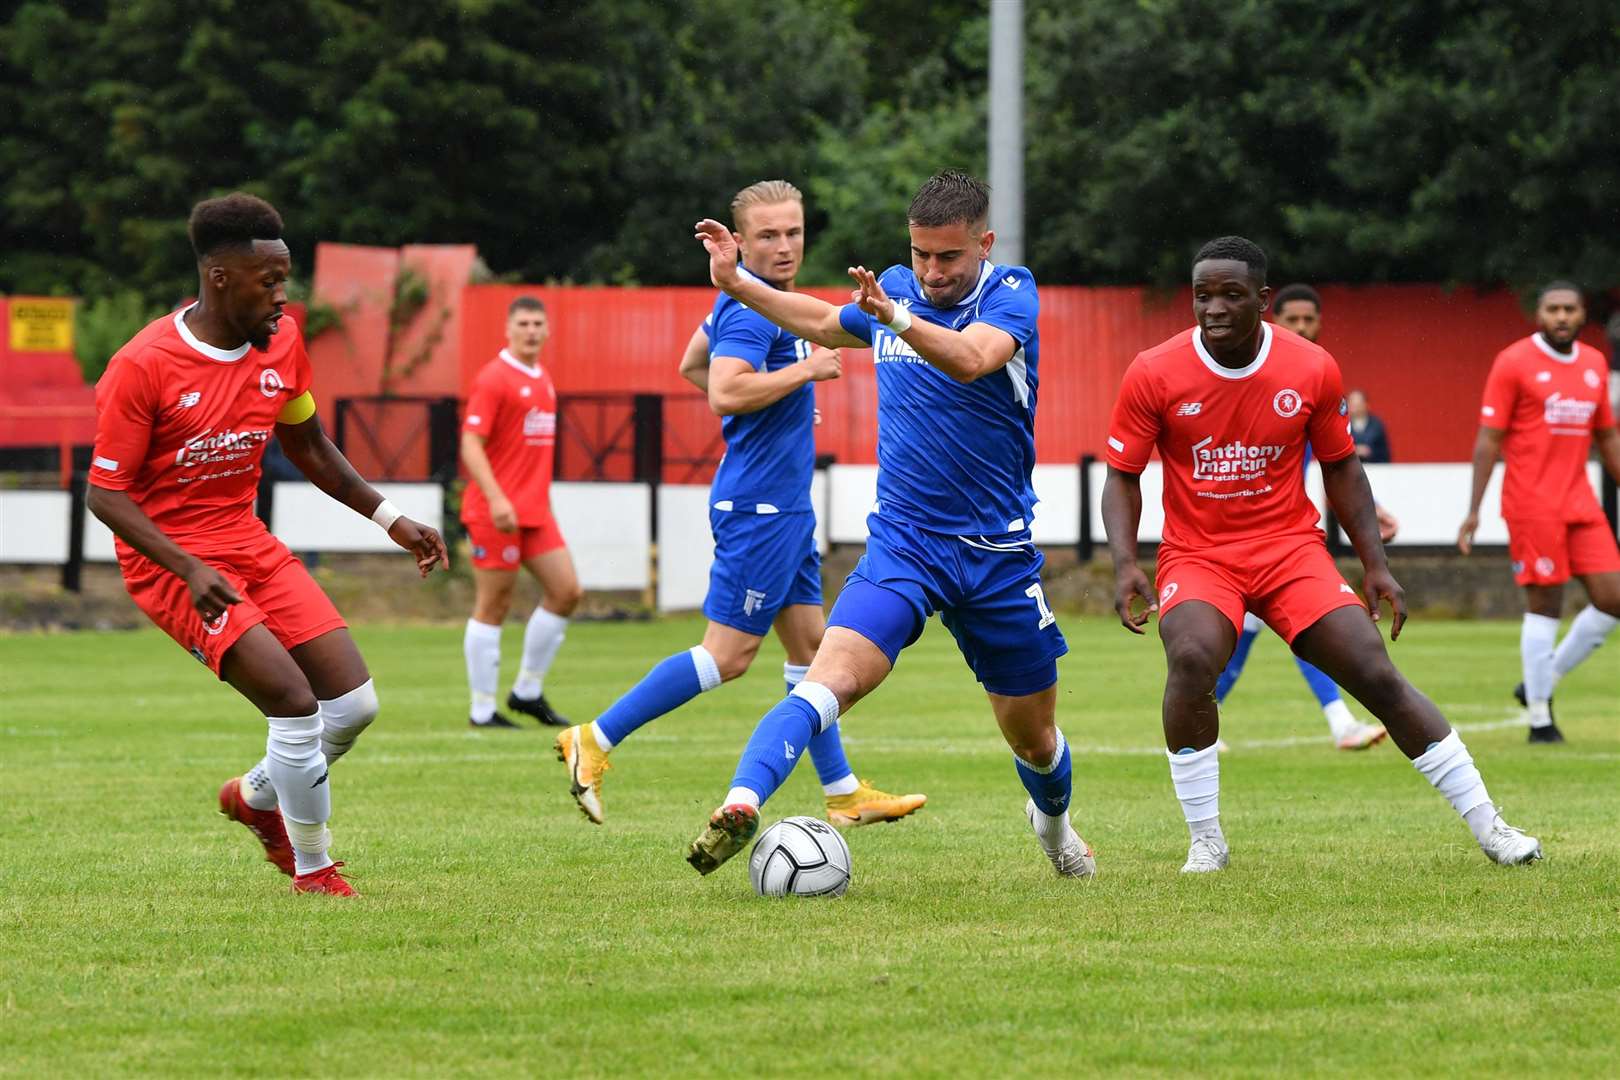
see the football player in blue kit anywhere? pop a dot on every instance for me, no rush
(766, 569)
(956, 351)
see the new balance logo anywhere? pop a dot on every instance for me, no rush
(187, 400)
(1189, 408)
(787, 750)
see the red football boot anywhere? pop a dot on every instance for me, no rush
(328, 882)
(264, 824)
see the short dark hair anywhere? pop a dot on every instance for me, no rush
(1560, 285)
(525, 303)
(948, 197)
(1296, 291)
(234, 220)
(1237, 249)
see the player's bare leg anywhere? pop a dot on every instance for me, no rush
(847, 667)
(262, 671)
(1345, 644)
(1538, 640)
(481, 644)
(850, 801)
(1198, 640)
(1041, 755)
(543, 636)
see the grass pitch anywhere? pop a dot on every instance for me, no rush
(1358, 930)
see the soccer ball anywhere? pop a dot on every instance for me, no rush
(800, 856)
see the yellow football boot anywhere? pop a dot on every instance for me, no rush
(866, 805)
(577, 748)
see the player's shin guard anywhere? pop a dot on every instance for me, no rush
(1537, 637)
(826, 746)
(541, 640)
(298, 770)
(1196, 776)
(1450, 768)
(1049, 786)
(671, 683)
(781, 737)
(1586, 633)
(1240, 656)
(344, 717)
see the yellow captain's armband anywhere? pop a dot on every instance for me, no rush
(297, 410)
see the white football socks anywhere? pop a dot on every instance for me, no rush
(1586, 633)
(482, 647)
(1450, 768)
(1537, 637)
(1341, 721)
(256, 788)
(297, 768)
(1197, 780)
(541, 640)
(745, 796)
(344, 717)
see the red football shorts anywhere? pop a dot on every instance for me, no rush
(1287, 581)
(274, 587)
(496, 550)
(1550, 552)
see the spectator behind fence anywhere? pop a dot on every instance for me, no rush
(1372, 441)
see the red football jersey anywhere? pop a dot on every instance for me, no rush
(1549, 405)
(181, 426)
(514, 407)
(1232, 441)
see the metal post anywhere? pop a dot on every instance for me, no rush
(72, 570)
(1007, 129)
(1088, 543)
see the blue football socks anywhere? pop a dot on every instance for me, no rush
(1234, 666)
(1050, 786)
(1325, 689)
(778, 742)
(671, 683)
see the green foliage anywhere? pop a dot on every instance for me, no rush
(1453, 141)
(102, 324)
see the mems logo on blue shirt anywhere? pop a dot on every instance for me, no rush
(953, 457)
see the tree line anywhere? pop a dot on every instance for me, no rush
(1451, 140)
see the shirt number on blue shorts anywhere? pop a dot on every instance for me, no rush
(1037, 594)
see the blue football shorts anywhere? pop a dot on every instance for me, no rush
(762, 564)
(986, 589)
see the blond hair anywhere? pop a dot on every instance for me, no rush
(764, 193)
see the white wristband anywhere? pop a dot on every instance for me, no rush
(386, 514)
(901, 321)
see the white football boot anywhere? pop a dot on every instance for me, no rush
(1205, 856)
(1072, 858)
(1508, 846)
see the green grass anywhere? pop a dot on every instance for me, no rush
(1358, 930)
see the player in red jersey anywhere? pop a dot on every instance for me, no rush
(1230, 406)
(1546, 403)
(508, 440)
(183, 414)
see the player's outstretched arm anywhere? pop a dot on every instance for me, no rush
(1122, 516)
(1350, 495)
(307, 447)
(806, 316)
(695, 361)
(1487, 447)
(210, 592)
(973, 352)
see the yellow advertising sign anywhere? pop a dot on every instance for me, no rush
(41, 325)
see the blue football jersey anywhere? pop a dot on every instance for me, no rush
(770, 454)
(955, 457)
